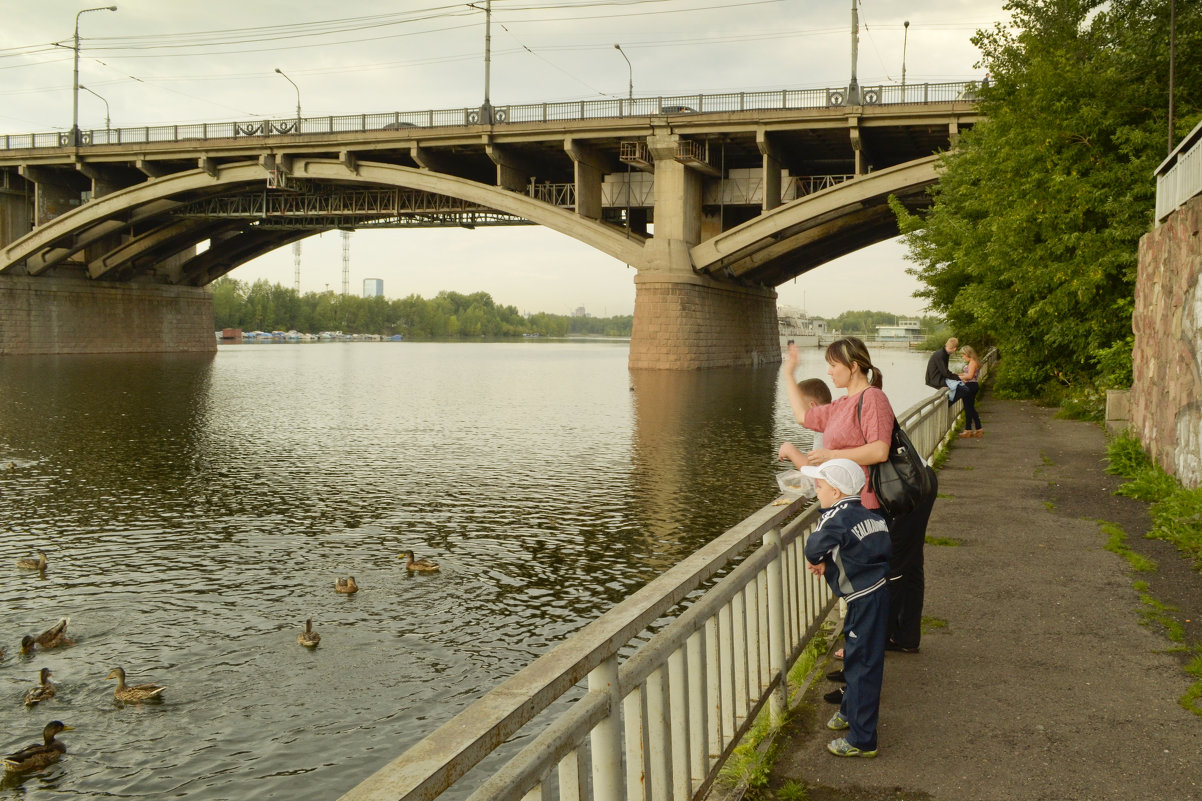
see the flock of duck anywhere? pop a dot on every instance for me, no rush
(38, 756)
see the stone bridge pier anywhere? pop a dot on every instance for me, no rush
(684, 320)
(66, 313)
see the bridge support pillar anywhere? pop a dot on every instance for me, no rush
(695, 323)
(73, 315)
(16, 207)
(682, 320)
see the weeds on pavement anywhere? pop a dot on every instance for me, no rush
(1176, 511)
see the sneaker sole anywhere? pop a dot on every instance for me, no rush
(833, 726)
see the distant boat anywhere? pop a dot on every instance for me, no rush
(397, 338)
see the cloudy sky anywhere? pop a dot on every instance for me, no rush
(158, 62)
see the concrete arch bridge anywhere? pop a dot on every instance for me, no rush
(714, 199)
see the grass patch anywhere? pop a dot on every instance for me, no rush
(1157, 613)
(793, 790)
(750, 764)
(1116, 542)
(930, 624)
(950, 542)
(1049, 505)
(1192, 700)
(1176, 511)
(1046, 461)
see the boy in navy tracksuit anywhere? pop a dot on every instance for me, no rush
(851, 548)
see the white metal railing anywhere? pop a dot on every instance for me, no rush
(662, 711)
(1179, 177)
(524, 113)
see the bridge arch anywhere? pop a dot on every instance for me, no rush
(782, 243)
(144, 211)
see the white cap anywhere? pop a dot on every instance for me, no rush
(842, 474)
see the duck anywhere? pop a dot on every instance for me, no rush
(346, 585)
(29, 563)
(136, 693)
(418, 565)
(43, 692)
(36, 757)
(54, 636)
(28, 645)
(308, 638)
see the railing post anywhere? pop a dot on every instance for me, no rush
(606, 739)
(776, 625)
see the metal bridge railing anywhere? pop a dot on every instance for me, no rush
(524, 113)
(662, 711)
(1179, 177)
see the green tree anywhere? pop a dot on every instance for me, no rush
(1031, 242)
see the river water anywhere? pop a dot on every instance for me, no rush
(196, 509)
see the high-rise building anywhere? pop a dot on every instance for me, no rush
(373, 287)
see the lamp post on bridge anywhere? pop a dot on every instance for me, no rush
(298, 105)
(107, 125)
(905, 41)
(75, 80)
(630, 71)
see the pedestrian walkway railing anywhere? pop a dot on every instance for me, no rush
(400, 121)
(1179, 177)
(672, 677)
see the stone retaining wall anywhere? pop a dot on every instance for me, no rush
(70, 315)
(698, 323)
(1166, 395)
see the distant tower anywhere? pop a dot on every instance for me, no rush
(296, 251)
(346, 262)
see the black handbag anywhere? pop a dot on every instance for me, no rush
(903, 480)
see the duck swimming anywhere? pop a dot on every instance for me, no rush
(308, 638)
(418, 565)
(136, 693)
(43, 692)
(29, 563)
(54, 636)
(346, 585)
(36, 757)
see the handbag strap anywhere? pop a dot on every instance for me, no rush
(859, 420)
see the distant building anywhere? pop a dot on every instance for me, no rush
(580, 312)
(373, 287)
(904, 331)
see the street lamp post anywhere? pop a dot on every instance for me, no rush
(905, 40)
(298, 106)
(75, 81)
(630, 70)
(107, 125)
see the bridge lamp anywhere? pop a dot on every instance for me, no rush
(905, 40)
(107, 126)
(630, 70)
(297, 88)
(75, 82)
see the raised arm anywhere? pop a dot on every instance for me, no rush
(787, 369)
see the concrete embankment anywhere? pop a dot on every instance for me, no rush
(1036, 679)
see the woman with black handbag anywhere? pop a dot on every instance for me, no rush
(859, 426)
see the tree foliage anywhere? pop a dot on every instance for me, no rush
(1031, 242)
(271, 307)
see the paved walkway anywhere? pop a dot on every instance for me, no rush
(1043, 684)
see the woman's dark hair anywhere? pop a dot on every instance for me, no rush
(850, 350)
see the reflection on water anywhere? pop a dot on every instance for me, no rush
(195, 510)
